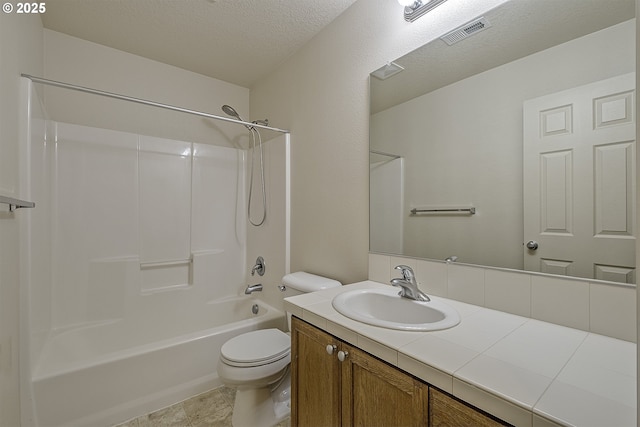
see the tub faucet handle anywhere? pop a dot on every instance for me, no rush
(259, 267)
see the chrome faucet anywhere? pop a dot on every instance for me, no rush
(253, 288)
(408, 285)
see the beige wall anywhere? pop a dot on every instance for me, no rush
(637, 201)
(20, 52)
(76, 61)
(321, 95)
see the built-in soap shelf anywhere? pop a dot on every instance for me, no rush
(162, 275)
(16, 203)
(167, 263)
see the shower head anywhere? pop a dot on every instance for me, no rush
(230, 111)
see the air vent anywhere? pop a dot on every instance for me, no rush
(467, 30)
(388, 70)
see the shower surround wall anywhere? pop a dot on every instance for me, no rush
(141, 213)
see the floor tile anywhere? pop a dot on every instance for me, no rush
(213, 408)
(173, 416)
(229, 394)
(208, 409)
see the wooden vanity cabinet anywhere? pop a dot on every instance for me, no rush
(359, 390)
(316, 396)
(336, 384)
(447, 411)
(377, 394)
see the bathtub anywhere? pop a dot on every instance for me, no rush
(106, 373)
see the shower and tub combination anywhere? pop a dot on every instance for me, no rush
(139, 251)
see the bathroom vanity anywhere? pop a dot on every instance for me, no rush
(492, 369)
(334, 383)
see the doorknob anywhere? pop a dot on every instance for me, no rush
(331, 348)
(532, 244)
(342, 355)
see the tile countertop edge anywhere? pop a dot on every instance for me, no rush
(316, 309)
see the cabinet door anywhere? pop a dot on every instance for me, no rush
(377, 394)
(449, 412)
(315, 377)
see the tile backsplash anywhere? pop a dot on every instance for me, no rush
(599, 307)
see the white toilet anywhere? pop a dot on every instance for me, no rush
(257, 363)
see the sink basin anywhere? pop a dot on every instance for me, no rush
(385, 308)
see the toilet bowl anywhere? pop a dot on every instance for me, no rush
(255, 359)
(257, 364)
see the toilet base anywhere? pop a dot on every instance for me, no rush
(262, 407)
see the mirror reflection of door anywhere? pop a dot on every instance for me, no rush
(579, 150)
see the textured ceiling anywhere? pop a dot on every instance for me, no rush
(238, 41)
(519, 28)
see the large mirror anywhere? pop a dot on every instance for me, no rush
(511, 143)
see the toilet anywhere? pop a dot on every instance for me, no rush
(257, 363)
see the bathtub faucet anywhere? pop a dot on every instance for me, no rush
(253, 288)
(259, 267)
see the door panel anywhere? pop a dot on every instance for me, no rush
(447, 411)
(315, 378)
(613, 192)
(579, 181)
(376, 394)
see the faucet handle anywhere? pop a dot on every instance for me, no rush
(259, 267)
(407, 272)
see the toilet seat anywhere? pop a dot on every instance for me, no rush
(256, 348)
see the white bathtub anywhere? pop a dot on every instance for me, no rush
(107, 373)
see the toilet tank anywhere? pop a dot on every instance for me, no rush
(301, 282)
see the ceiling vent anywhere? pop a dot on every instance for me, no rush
(388, 70)
(467, 30)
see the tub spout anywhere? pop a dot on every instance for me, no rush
(253, 288)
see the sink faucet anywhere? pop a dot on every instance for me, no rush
(407, 284)
(253, 288)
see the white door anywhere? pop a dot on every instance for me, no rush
(579, 181)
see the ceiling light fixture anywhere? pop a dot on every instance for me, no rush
(414, 9)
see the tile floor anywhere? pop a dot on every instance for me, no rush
(210, 409)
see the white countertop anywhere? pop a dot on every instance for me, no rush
(524, 371)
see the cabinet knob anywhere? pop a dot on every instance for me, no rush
(342, 355)
(331, 348)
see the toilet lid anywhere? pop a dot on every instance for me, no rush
(257, 347)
